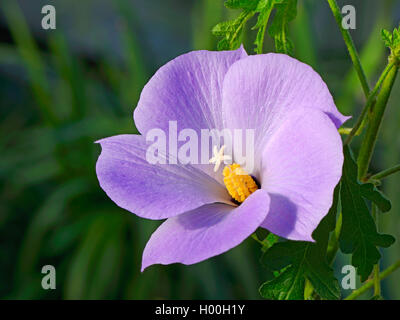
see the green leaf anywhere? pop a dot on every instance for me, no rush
(264, 9)
(387, 38)
(269, 241)
(262, 234)
(231, 31)
(370, 192)
(306, 262)
(359, 235)
(396, 37)
(241, 4)
(289, 285)
(299, 261)
(391, 39)
(285, 12)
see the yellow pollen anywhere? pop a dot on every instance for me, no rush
(238, 182)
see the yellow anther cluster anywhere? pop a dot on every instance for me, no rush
(238, 182)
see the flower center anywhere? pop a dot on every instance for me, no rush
(238, 182)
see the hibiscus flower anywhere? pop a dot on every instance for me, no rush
(297, 159)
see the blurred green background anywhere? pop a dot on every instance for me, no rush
(61, 90)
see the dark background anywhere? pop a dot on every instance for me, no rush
(61, 90)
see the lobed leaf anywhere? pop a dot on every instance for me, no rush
(289, 285)
(387, 38)
(264, 9)
(231, 31)
(286, 11)
(359, 235)
(299, 261)
(241, 4)
(391, 39)
(371, 192)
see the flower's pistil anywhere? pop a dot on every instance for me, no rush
(238, 182)
(219, 157)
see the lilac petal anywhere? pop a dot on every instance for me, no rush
(301, 165)
(153, 191)
(188, 90)
(205, 232)
(260, 90)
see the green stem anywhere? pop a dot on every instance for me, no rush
(345, 131)
(254, 236)
(377, 282)
(370, 102)
(333, 245)
(386, 173)
(375, 117)
(308, 290)
(350, 46)
(384, 274)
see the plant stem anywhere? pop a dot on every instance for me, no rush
(356, 293)
(345, 131)
(377, 282)
(350, 47)
(308, 290)
(370, 102)
(333, 245)
(375, 117)
(386, 173)
(254, 236)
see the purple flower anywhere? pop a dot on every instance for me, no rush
(298, 154)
